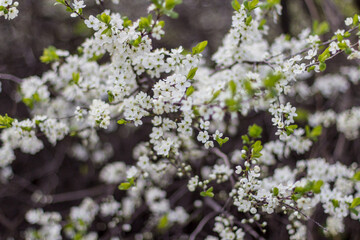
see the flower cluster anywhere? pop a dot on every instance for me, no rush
(8, 9)
(188, 111)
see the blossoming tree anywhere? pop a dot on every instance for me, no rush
(191, 112)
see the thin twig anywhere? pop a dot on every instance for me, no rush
(10, 77)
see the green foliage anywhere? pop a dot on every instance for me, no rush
(314, 133)
(207, 193)
(136, 42)
(167, 7)
(355, 203)
(254, 131)
(215, 95)
(233, 105)
(269, 4)
(62, 2)
(75, 77)
(261, 24)
(192, 73)
(302, 115)
(275, 191)
(122, 121)
(311, 186)
(127, 22)
(335, 203)
(5, 121)
(145, 23)
(126, 185)
(170, 4)
(232, 86)
(236, 5)
(49, 55)
(199, 48)
(355, 19)
(163, 222)
(251, 5)
(322, 66)
(31, 101)
(290, 129)
(320, 28)
(356, 176)
(256, 149)
(221, 141)
(104, 18)
(190, 91)
(111, 97)
(248, 20)
(324, 55)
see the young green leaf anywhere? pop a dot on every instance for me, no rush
(199, 47)
(207, 193)
(190, 91)
(254, 131)
(122, 121)
(236, 5)
(355, 203)
(192, 73)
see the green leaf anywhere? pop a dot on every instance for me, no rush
(127, 185)
(261, 24)
(355, 203)
(356, 176)
(353, 210)
(236, 5)
(355, 19)
(190, 91)
(320, 28)
(76, 77)
(107, 32)
(192, 73)
(317, 186)
(207, 193)
(216, 94)
(136, 42)
(254, 131)
(145, 23)
(313, 134)
(156, 3)
(199, 47)
(49, 55)
(322, 66)
(251, 5)
(127, 22)
(5, 121)
(104, 18)
(325, 55)
(62, 2)
(122, 121)
(111, 97)
(290, 129)
(170, 4)
(163, 222)
(335, 203)
(245, 139)
(221, 141)
(316, 132)
(275, 191)
(272, 79)
(256, 149)
(248, 20)
(232, 86)
(170, 13)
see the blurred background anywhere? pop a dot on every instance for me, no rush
(41, 24)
